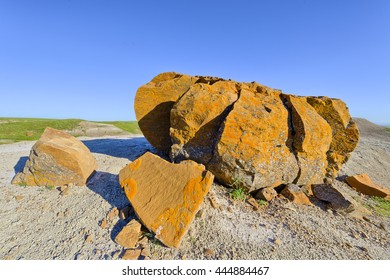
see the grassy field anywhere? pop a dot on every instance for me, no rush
(130, 126)
(21, 129)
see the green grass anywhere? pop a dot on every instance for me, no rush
(28, 129)
(130, 126)
(381, 205)
(20, 129)
(262, 202)
(239, 192)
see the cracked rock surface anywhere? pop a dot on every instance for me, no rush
(246, 132)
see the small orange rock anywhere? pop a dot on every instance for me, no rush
(294, 194)
(103, 223)
(113, 213)
(208, 252)
(266, 194)
(88, 238)
(128, 236)
(363, 183)
(213, 202)
(19, 197)
(131, 254)
(251, 201)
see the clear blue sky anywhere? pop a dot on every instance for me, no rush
(86, 59)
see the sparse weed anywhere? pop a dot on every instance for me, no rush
(22, 184)
(239, 192)
(262, 202)
(381, 205)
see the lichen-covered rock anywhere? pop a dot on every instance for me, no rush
(57, 159)
(246, 133)
(312, 136)
(345, 134)
(194, 129)
(253, 146)
(165, 196)
(153, 103)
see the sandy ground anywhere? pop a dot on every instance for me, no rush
(42, 223)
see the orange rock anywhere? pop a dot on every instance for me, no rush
(363, 183)
(246, 133)
(131, 254)
(344, 130)
(253, 147)
(294, 193)
(57, 159)
(266, 194)
(128, 236)
(311, 140)
(194, 129)
(165, 196)
(153, 103)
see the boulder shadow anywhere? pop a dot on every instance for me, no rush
(107, 186)
(20, 164)
(130, 148)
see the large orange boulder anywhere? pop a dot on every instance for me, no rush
(57, 159)
(165, 196)
(253, 147)
(247, 134)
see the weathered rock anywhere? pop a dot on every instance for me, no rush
(165, 196)
(253, 147)
(295, 194)
(131, 254)
(252, 202)
(57, 159)
(329, 194)
(246, 133)
(193, 129)
(128, 236)
(363, 183)
(311, 140)
(153, 103)
(344, 130)
(266, 194)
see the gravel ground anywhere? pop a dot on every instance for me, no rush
(42, 223)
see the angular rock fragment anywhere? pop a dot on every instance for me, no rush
(128, 236)
(295, 194)
(266, 194)
(165, 196)
(363, 183)
(57, 159)
(131, 254)
(331, 195)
